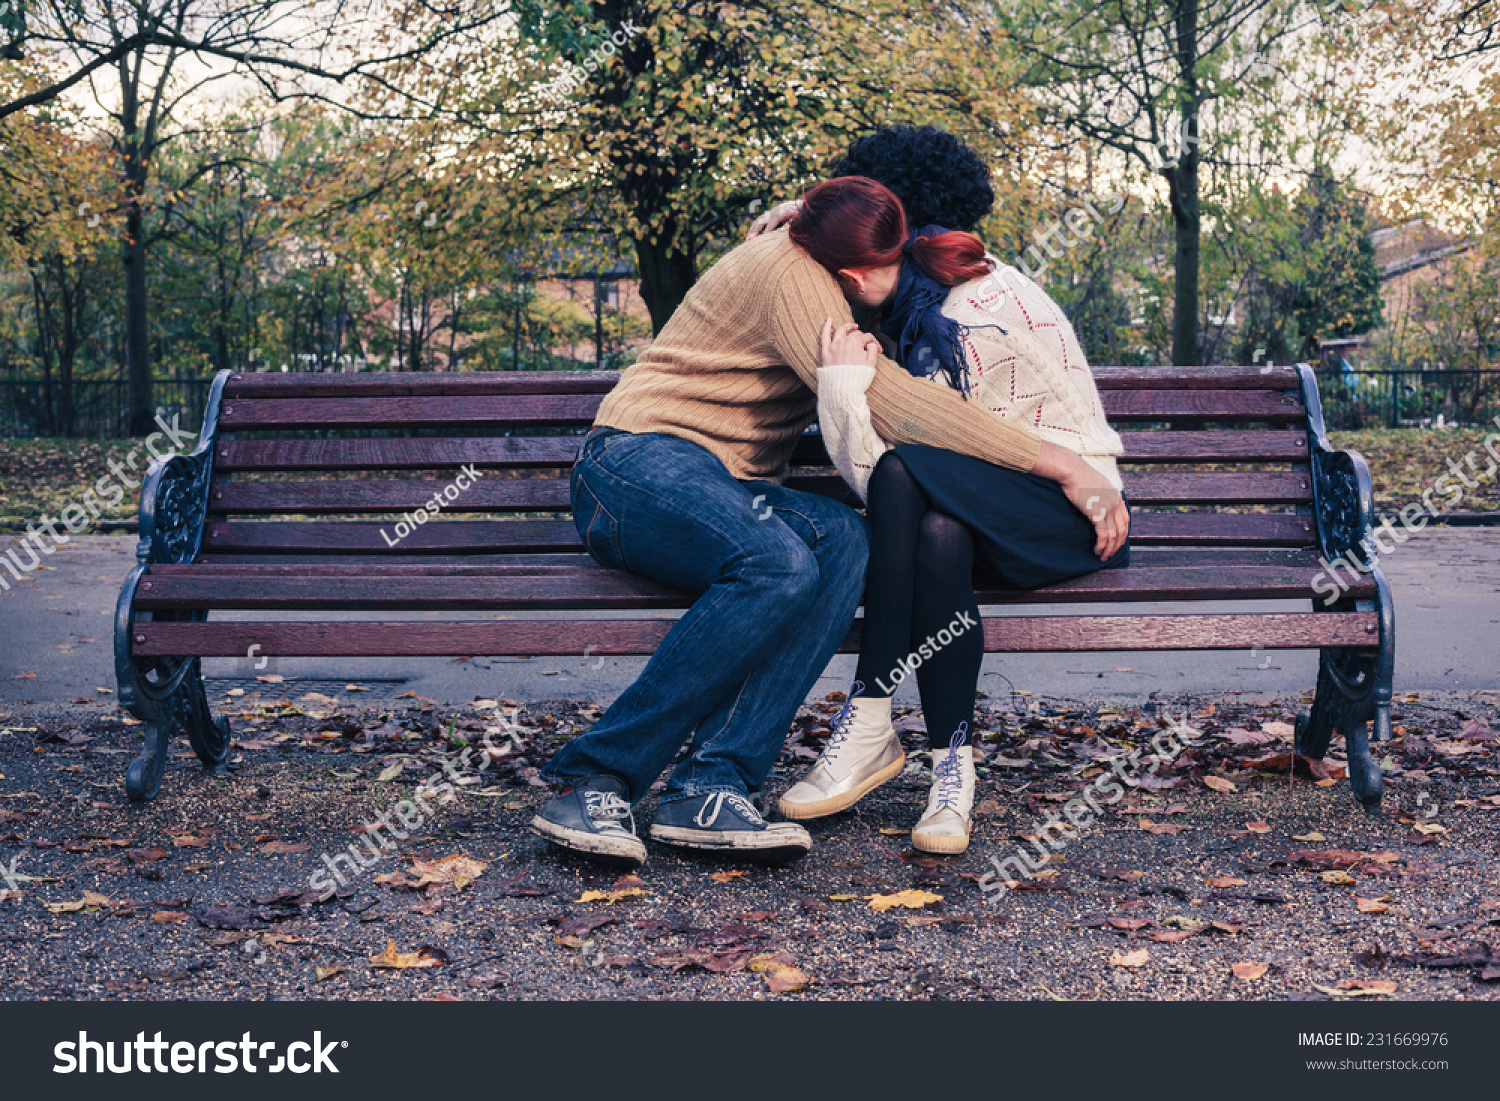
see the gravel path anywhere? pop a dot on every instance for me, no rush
(204, 893)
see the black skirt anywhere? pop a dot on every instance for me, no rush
(1027, 533)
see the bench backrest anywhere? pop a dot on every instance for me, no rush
(310, 465)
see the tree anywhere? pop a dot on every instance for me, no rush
(1141, 77)
(145, 61)
(659, 122)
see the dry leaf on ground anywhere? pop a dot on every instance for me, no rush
(1249, 971)
(1138, 958)
(1218, 783)
(780, 972)
(392, 960)
(611, 896)
(912, 900)
(1337, 878)
(727, 877)
(458, 869)
(1371, 905)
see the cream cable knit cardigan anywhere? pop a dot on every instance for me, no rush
(1034, 374)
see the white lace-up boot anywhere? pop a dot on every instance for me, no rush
(944, 828)
(863, 752)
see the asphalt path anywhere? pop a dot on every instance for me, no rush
(58, 625)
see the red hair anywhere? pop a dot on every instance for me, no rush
(856, 222)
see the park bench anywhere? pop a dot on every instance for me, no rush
(278, 508)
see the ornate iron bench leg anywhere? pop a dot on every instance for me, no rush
(184, 712)
(1354, 690)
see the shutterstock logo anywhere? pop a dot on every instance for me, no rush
(144, 1056)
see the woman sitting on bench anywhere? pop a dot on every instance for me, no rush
(940, 519)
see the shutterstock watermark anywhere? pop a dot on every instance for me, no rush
(925, 653)
(1082, 810)
(1332, 585)
(413, 814)
(410, 522)
(106, 492)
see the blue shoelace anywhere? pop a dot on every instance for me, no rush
(949, 772)
(840, 726)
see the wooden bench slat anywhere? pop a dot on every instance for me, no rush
(612, 589)
(1262, 445)
(579, 410)
(489, 410)
(510, 536)
(394, 565)
(383, 453)
(397, 454)
(1003, 634)
(419, 384)
(1203, 405)
(1196, 378)
(551, 494)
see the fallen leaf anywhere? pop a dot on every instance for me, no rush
(1426, 828)
(780, 972)
(1171, 936)
(325, 973)
(1258, 827)
(391, 772)
(610, 896)
(91, 902)
(1224, 881)
(912, 900)
(727, 877)
(1371, 905)
(457, 869)
(1218, 783)
(1129, 925)
(1249, 971)
(169, 917)
(1167, 828)
(1317, 768)
(842, 898)
(1280, 731)
(1358, 988)
(1337, 878)
(1138, 958)
(393, 960)
(285, 848)
(1314, 836)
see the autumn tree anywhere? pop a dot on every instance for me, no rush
(1146, 78)
(146, 63)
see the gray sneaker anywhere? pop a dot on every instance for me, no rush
(727, 822)
(589, 818)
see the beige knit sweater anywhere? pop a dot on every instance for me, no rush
(1029, 370)
(735, 371)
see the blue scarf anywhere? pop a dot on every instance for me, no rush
(926, 340)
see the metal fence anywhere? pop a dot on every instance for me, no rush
(93, 409)
(1409, 399)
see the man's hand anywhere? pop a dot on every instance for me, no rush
(1090, 493)
(774, 218)
(847, 344)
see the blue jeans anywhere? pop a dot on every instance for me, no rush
(778, 573)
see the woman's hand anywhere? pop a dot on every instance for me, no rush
(847, 344)
(1090, 493)
(774, 218)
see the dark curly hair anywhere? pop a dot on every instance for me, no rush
(939, 179)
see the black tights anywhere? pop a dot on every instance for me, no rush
(919, 584)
